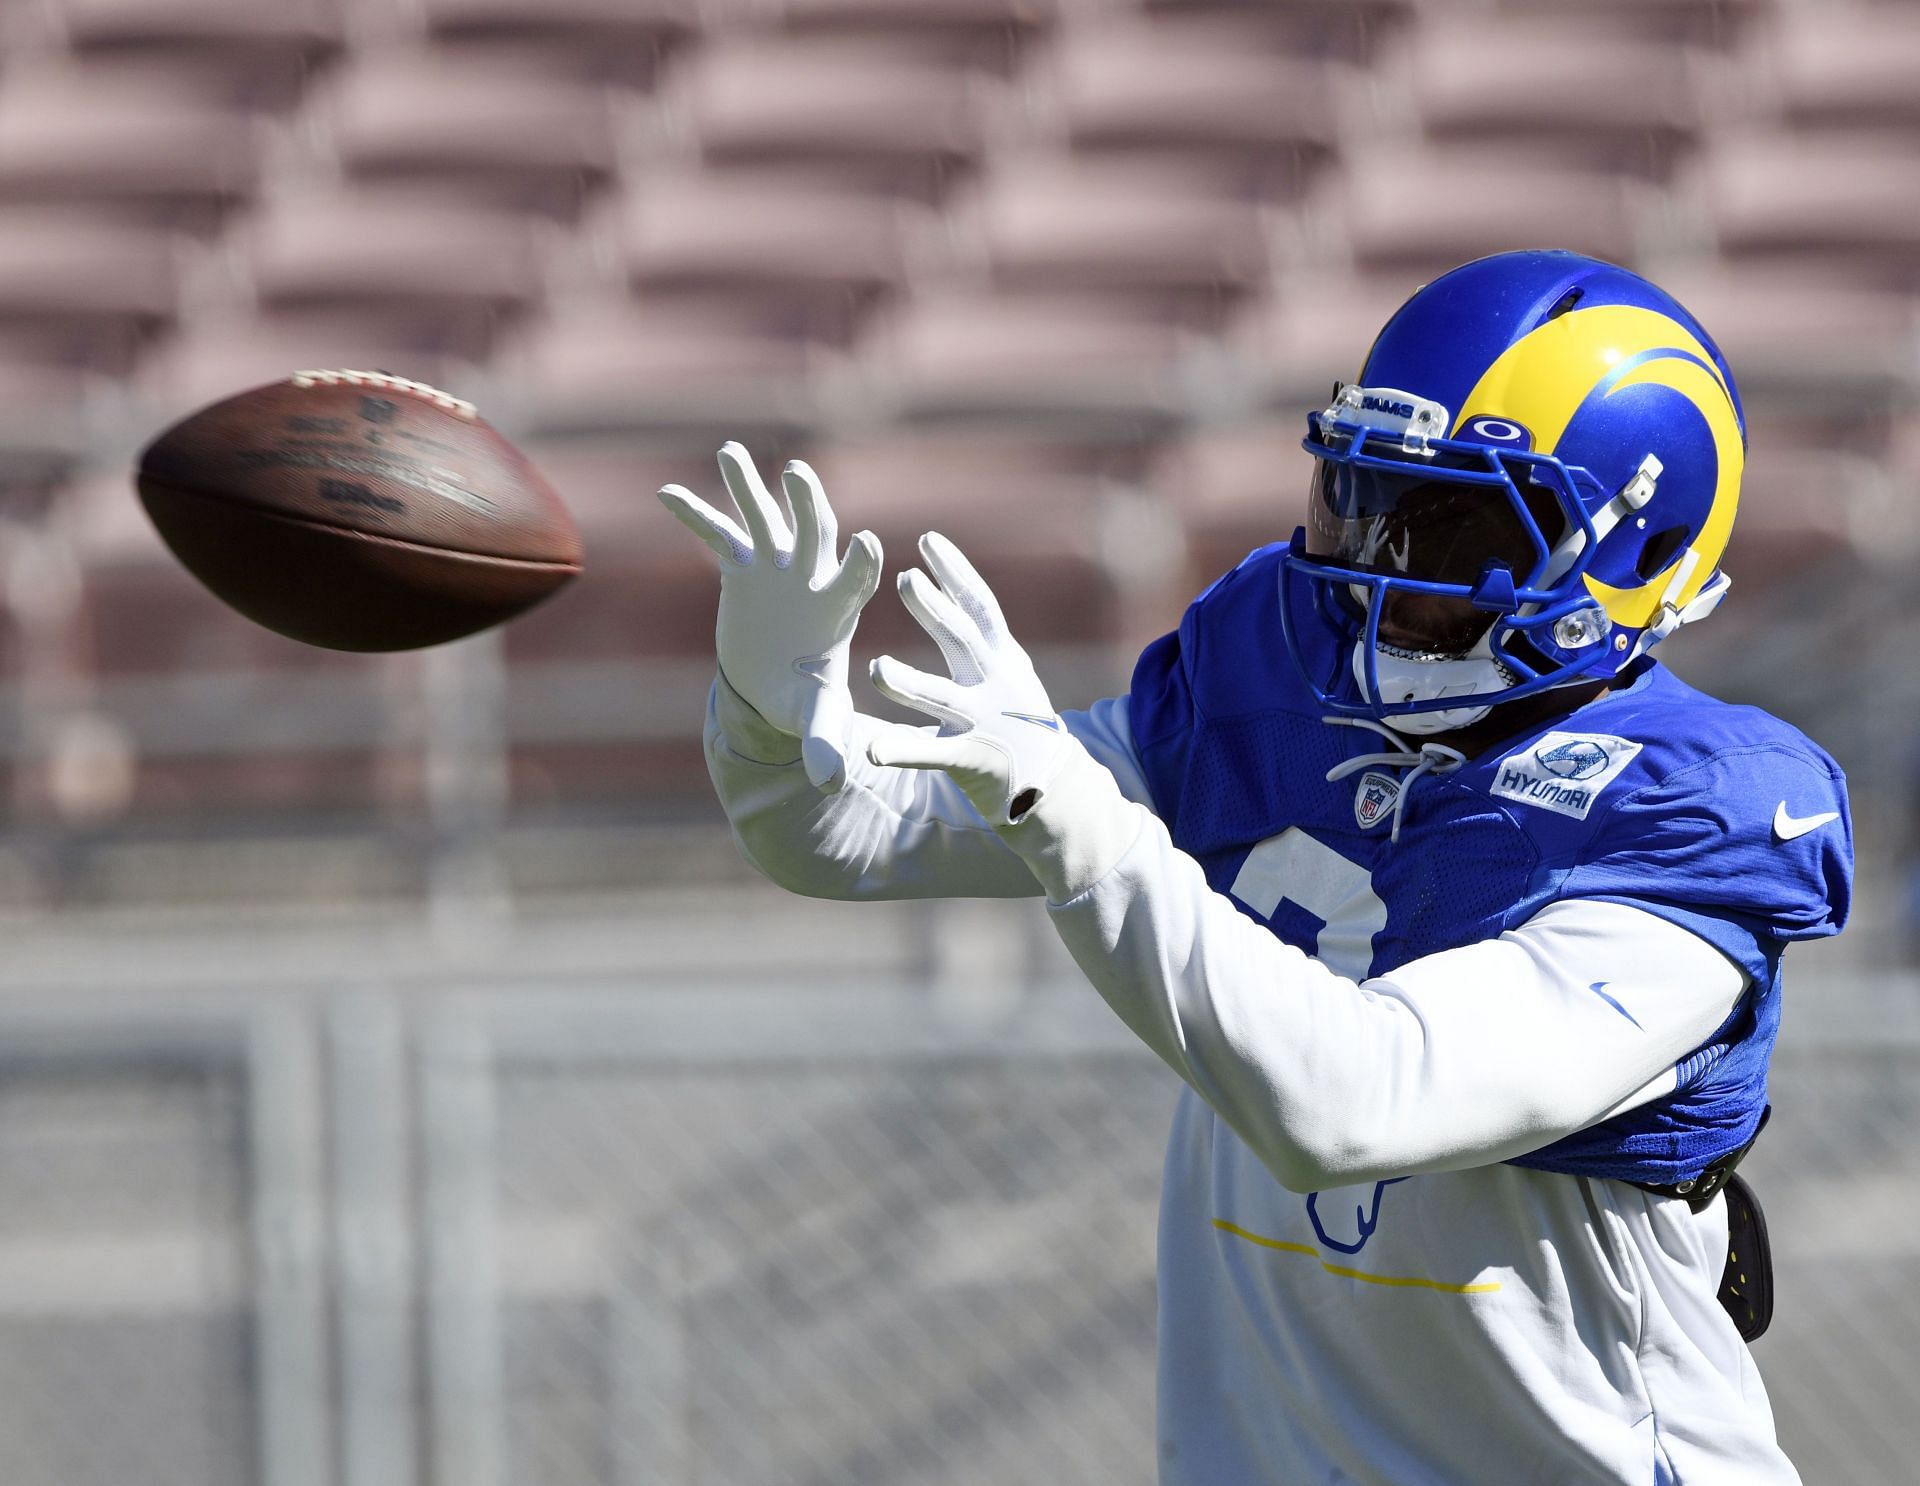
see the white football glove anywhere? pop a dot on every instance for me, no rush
(999, 739)
(788, 604)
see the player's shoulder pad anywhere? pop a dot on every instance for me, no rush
(1231, 630)
(1257, 574)
(1228, 658)
(1708, 806)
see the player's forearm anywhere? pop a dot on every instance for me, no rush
(1459, 1059)
(887, 833)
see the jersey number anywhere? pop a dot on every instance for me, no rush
(1295, 868)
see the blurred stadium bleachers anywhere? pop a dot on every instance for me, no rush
(1060, 276)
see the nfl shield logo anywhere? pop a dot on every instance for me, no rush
(1374, 798)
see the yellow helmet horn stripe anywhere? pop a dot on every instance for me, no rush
(1637, 607)
(1542, 380)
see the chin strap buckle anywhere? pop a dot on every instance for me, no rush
(1671, 618)
(1631, 497)
(1639, 490)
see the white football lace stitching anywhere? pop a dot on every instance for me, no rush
(387, 382)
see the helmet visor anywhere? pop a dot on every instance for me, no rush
(1440, 519)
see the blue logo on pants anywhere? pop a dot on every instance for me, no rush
(1365, 1218)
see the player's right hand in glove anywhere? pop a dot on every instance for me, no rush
(788, 604)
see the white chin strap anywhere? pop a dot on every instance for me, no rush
(1407, 677)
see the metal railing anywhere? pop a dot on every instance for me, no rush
(326, 1218)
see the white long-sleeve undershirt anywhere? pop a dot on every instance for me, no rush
(1454, 1060)
(1457, 1059)
(888, 833)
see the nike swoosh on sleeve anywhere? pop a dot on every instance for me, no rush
(1787, 828)
(1598, 988)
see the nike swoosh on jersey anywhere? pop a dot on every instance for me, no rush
(1050, 723)
(1787, 828)
(814, 667)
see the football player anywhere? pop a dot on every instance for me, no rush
(1460, 916)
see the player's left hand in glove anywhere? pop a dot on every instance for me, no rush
(999, 738)
(788, 604)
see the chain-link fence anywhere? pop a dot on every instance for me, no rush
(125, 1309)
(1838, 1171)
(545, 1237)
(833, 1275)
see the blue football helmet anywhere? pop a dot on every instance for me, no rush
(1530, 485)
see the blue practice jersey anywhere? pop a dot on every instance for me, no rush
(1719, 818)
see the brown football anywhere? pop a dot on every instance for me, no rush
(357, 510)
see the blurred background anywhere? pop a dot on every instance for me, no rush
(402, 1080)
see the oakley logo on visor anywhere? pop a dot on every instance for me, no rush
(1502, 431)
